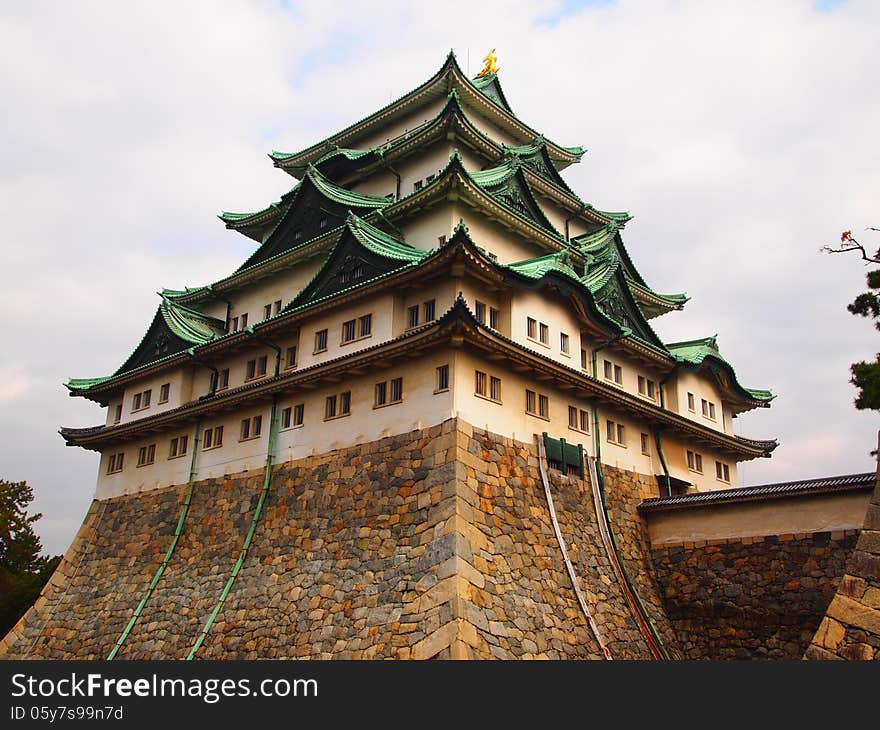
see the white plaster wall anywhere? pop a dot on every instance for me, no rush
(423, 229)
(495, 238)
(284, 285)
(553, 312)
(689, 382)
(181, 382)
(402, 125)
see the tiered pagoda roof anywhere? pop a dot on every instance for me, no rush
(363, 249)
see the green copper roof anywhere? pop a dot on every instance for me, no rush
(382, 243)
(341, 195)
(696, 352)
(348, 154)
(536, 268)
(450, 67)
(177, 293)
(86, 383)
(189, 324)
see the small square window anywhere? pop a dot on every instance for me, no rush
(564, 343)
(417, 185)
(381, 393)
(348, 330)
(480, 383)
(532, 328)
(365, 325)
(443, 378)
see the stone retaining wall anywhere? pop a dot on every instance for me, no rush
(436, 543)
(751, 598)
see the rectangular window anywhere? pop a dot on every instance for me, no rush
(531, 328)
(543, 406)
(234, 326)
(578, 419)
(365, 325)
(441, 240)
(262, 364)
(213, 437)
(480, 312)
(494, 316)
(722, 472)
(417, 185)
(495, 388)
(114, 463)
(544, 334)
(292, 417)
(429, 178)
(646, 444)
(277, 306)
(531, 404)
(147, 395)
(146, 455)
(320, 341)
(397, 390)
(584, 361)
(652, 390)
(695, 461)
(164, 392)
(348, 330)
(118, 415)
(615, 433)
(337, 406)
(177, 447)
(256, 426)
(245, 429)
(564, 344)
(442, 378)
(647, 387)
(244, 320)
(412, 316)
(223, 379)
(480, 383)
(251, 370)
(691, 402)
(267, 311)
(705, 406)
(381, 394)
(618, 374)
(608, 370)
(429, 310)
(290, 361)
(642, 385)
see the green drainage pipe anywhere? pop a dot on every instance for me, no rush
(160, 571)
(267, 479)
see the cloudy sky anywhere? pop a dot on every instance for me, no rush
(741, 135)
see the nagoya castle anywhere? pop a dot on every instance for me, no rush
(429, 417)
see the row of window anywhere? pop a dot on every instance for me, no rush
(142, 400)
(480, 309)
(540, 332)
(695, 463)
(427, 180)
(427, 309)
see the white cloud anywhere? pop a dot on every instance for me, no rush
(741, 135)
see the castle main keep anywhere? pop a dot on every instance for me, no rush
(429, 417)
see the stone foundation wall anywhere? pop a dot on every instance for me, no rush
(850, 628)
(436, 543)
(751, 598)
